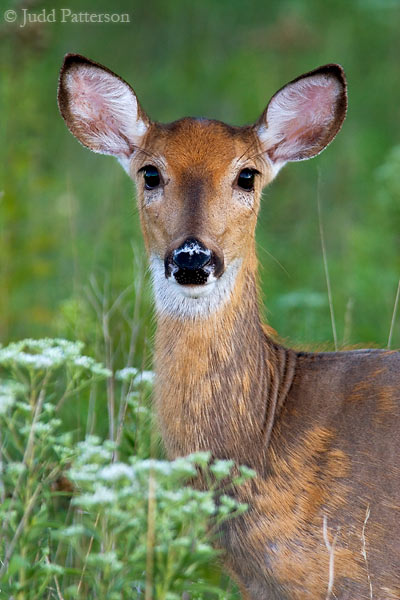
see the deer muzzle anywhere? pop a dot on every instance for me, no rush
(193, 263)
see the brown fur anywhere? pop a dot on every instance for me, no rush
(325, 458)
(320, 429)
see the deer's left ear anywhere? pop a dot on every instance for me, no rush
(304, 116)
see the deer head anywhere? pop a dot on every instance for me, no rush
(199, 181)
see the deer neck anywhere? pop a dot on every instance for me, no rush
(218, 382)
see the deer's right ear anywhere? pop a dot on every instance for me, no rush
(100, 108)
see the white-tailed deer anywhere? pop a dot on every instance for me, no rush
(321, 430)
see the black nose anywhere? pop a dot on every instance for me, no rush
(191, 255)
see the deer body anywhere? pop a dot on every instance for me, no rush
(335, 423)
(321, 430)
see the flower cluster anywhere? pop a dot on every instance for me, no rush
(48, 354)
(89, 518)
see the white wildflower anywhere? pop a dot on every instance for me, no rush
(207, 505)
(98, 369)
(24, 406)
(183, 466)
(221, 468)
(115, 472)
(84, 473)
(15, 468)
(126, 374)
(200, 458)
(145, 377)
(247, 472)
(162, 467)
(47, 354)
(9, 391)
(6, 402)
(130, 373)
(100, 496)
(35, 361)
(88, 363)
(229, 502)
(176, 497)
(91, 449)
(83, 361)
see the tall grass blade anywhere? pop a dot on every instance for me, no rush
(396, 304)
(324, 256)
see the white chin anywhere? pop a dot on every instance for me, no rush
(193, 302)
(194, 291)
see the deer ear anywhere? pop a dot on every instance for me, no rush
(304, 116)
(100, 109)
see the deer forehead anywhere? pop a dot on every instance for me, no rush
(200, 149)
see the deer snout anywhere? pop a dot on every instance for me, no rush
(193, 263)
(191, 255)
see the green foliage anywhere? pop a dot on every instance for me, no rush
(82, 519)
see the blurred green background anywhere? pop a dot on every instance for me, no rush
(68, 223)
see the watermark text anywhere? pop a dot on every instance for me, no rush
(62, 15)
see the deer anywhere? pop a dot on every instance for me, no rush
(320, 429)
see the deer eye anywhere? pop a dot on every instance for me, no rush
(246, 179)
(151, 177)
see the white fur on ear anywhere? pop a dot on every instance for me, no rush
(100, 109)
(304, 116)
